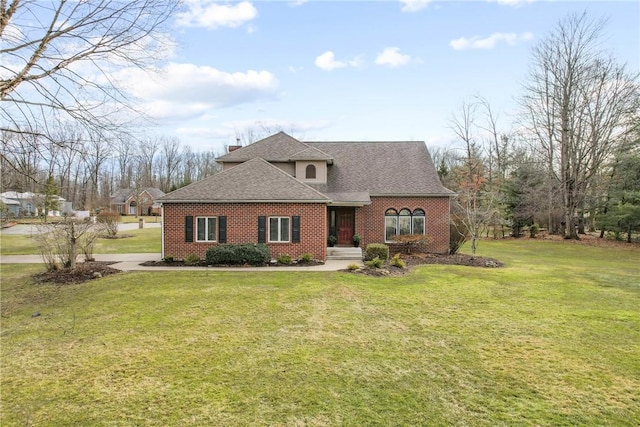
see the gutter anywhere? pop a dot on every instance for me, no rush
(326, 201)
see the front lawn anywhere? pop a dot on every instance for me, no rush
(551, 339)
(146, 240)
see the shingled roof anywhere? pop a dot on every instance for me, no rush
(381, 169)
(123, 194)
(311, 153)
(275, 148)
(255, 180)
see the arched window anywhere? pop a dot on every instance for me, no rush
(390, 224)
(403, 222)
(310, 172)
(417, 222)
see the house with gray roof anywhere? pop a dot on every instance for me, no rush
(126, 201)
(294, 195)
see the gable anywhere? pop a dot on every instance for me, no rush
(275, 148)
(255, 180)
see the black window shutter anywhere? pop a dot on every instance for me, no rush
(222, 229)
(188, 229)
(295, 229)
(262, 229)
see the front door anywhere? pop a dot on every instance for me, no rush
(345, 225)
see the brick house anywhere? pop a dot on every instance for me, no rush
(293, 195)
(125, 202)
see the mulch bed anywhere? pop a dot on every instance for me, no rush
(83, 272)
(416, 259)
(311, 263)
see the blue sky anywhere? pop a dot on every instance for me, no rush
(358, 70)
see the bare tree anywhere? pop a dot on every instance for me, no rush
(147, 157)
(60, 242)
(578, 103)
(170, 158)
(59, 56)
(476, 204)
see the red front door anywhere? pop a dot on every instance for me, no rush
(345, 225)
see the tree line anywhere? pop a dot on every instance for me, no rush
(86, 169)
(571, 160)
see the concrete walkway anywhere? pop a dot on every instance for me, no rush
(131, 262)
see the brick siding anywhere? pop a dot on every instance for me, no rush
(242, 226)
(370, 220)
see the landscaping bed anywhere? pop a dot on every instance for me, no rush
(415, 259)
(203, 263)
(83, 272)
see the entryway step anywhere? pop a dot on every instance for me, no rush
(344, 253)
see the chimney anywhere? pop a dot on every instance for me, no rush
(231, 148)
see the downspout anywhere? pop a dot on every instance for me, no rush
(162, 230)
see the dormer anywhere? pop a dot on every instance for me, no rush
(308, 164)
(311, 165)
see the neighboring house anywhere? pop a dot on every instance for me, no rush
(30, 204)
(125, 201)
(292, 195)
(13, 206)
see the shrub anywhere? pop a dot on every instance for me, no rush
(234, 254)
(398, 262)
(379, 250)
(413, 241)
(533, 231)
(353, 267)
(109, 221)
(458, 234)
(192, 259)
(222, 254)
(284, 259)
(306, 257)
(168, 259)
(374, 263)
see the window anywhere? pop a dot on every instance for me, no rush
(390, 224)
(417, 222)
(403, 222)
(119, 209)
(310, 172)
(206, 229)
(279, 229)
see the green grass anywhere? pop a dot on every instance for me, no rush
(18, 244)
(133, 219)
(146, 240)
(552, 339)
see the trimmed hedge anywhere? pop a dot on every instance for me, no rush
(374, 250)
(234, 254)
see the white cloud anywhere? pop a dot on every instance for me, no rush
(414, 5)
(213, 15)
(392, 57)
(327, 61)
(475, 42)
(187, 90)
